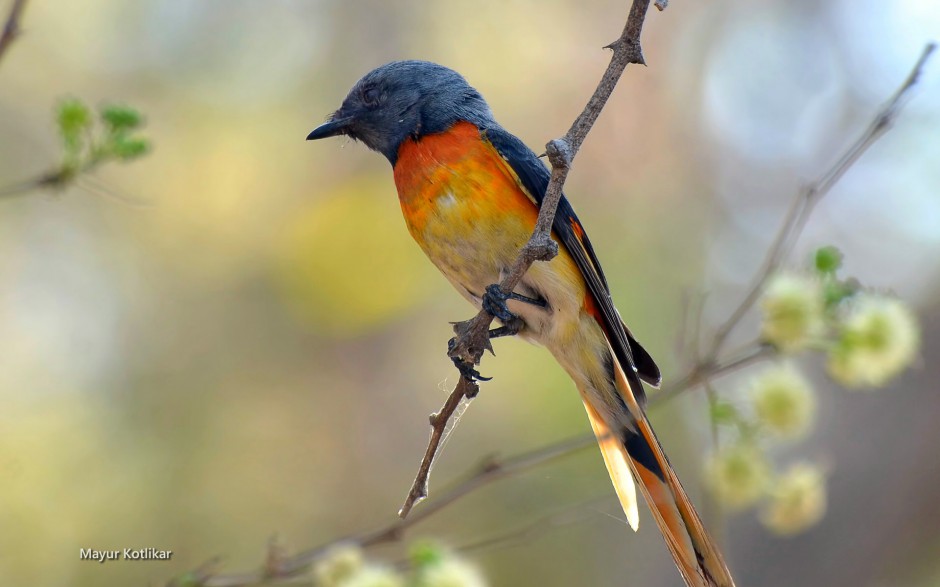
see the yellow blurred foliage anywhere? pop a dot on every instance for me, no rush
(58, 476)
(345, 264)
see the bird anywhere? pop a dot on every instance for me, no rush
(470, 193)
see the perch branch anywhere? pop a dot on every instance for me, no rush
(473, 335)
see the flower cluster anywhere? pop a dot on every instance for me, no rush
(878, 338)
(431, 566)
(793, 308)
(868, 338)
(740, 474)
(797, 500)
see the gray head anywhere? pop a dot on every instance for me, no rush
(401, 100)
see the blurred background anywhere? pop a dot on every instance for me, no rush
(255, 350)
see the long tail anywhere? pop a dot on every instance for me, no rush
(638, 451)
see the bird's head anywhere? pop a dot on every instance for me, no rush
(401, 100)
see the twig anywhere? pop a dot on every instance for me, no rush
(465, 388)
(473, 335)
(51, 180)
(704, 372)
(11, 29)
(572, 514)
(806, 201)
(711, 507)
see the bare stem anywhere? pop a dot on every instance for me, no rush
(466, 388)
(50, 180)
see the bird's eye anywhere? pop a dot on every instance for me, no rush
(370, 95)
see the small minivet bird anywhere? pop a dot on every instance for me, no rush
(470, 193)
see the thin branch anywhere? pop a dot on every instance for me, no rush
(702, 373)
(567, 516)
(11, 29)
(806, 200)
(23, 188)
(465, 388)
(51, 180)
(473, 335)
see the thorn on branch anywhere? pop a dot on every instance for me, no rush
(634, 52)
(629, 47)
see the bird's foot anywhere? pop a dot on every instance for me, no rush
(494, 302)
(467, 369)
(511, 328)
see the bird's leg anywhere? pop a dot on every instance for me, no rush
(494, 302)
(511, 328)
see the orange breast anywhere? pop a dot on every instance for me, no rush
(465, 207)
(462, 204)
(456, 165)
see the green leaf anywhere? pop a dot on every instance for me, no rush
(425, 553)
(121, 118)
(125, 148)
(828, 260)
(73, 119)
(724, 413)
(835, 292)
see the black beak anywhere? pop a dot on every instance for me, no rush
(332, 128)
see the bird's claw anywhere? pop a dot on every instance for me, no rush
(467, 370)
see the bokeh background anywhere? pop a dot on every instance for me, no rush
(255, 350)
